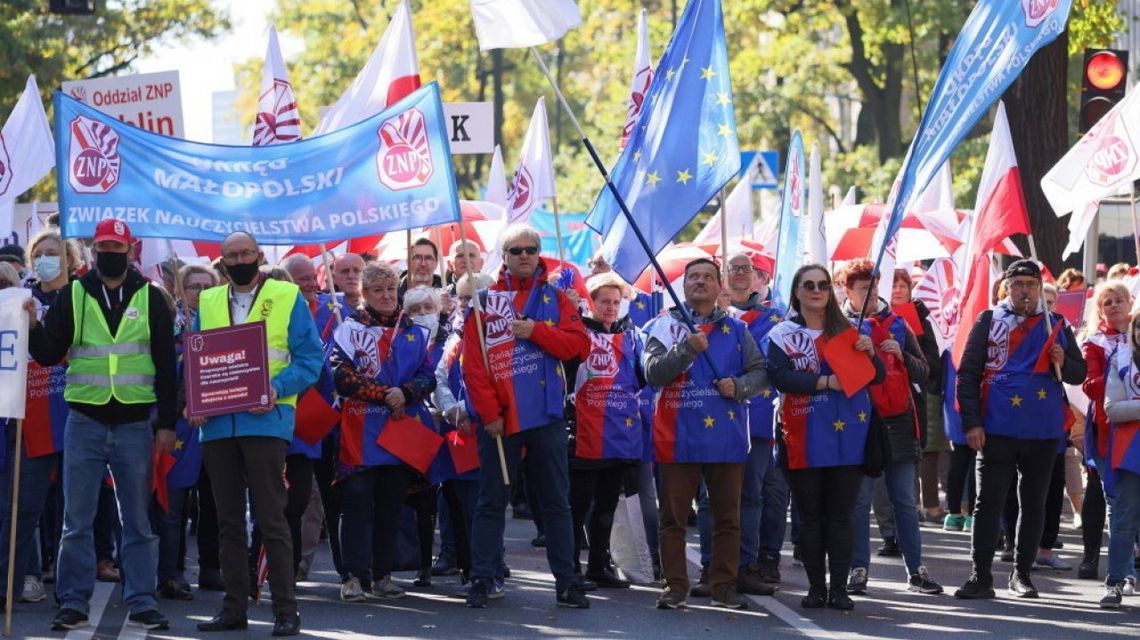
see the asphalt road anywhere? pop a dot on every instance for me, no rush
(1066, 611)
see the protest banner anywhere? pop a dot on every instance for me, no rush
(149, 101)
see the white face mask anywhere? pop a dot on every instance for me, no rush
(430, 321)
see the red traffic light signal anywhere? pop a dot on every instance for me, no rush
(1103, 84)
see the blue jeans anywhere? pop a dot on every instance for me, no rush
(90, 448)
(900, 487)
(1123, 526)
(546, 471)
(35, 481)
(763, 509)
(168, 526)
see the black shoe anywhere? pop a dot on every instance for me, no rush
(572, 597)
(210, 580)
(1007, 553)
(149, 619)
(287, 625)
(1089, 569)
(174, 590)
(890, 548)
(816, 598)
(607, 578)
(444, 565)
(1058, 544)
(1021, 586)
(424, 579)
(477, 595)
(702, 588)
(225, 622)
(69, 619)
(587, 585)
(976, 588)
(837, 598)
(506, 571)
(769, 570)
(539, 541)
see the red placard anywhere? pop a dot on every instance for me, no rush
(409, 440)
(1071, 305)
(226, 370)
(853, 368)
(909, 313)
(464, 451)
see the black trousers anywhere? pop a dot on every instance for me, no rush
(207, 524)
(324, 471)
(601, 487)
(299, 475)
(825, 499)
(1054, 503)
(961, 479)
(1093, 517)
(371, 501)
(1001, 460)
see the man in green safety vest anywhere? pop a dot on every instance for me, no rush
(117, 334)
(247, 449)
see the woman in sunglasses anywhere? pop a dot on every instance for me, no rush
(823, 432)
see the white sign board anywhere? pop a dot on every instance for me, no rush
(151, 101)
(470, 127)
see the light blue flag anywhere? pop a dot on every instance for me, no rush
(389, 172)
(683, 149)
(791, 247)
(995, 44)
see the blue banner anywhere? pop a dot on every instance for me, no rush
(389, 172)
(578, 241)
(995, 44)
(792, 244)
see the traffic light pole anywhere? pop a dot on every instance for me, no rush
(1135, 227)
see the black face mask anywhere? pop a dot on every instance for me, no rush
(111, 265)
(243, 273)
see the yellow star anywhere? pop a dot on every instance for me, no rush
(549, 323)
(862, 416)
(776, 318)
(629, 422)
(545, 299)
(839, 425)
(709, 422)
(653, 179)
(722, 98)
(683, 177)
(1015, 401)
(641, 305)
(670, 73)
(724, 329)
(724, 130)
(710, 159)
(178, 444)
(411, 337)
(731, 414)
(1042, 394)
(636, 156)
(707, 73)
(767, 393)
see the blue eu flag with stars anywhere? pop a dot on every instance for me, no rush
(683, 149)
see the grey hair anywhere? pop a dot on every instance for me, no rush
(421, 293)
(374, 272)
(293, 260)
(518, 232)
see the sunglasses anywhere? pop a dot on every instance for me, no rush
(822, 285)
(518, 251)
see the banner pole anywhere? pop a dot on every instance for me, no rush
(439, 248)
(621, 204)
(1044, 307)
(12, 529)
(558, 231)
(483, 350)
(1135, 226)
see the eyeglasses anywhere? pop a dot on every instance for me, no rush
(822, 285)
(518, 251)
(1028, 285)
(741, 268)
(195, 287)
(423, 258)
(245, 255)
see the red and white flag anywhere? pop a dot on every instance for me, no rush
(1000, 212)
(533, 181)
(27, 151)
(642, 77)
(277, 118)
(391, 73)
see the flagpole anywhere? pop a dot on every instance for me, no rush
(1135, 227)
(329, 283)
(1045, 308)
(12, 529)
(621, 203)
(723, 235)
(174, 271)
(439, 248)
(558, 231)
(483, 350)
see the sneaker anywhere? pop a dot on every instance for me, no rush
(477, 595)
(498, 589)
(701, 589)
(671, 599)
(1112, 596)
(953, 522)
(33, 590)
(572, 597)
(1089, 569)
(728, 598)
(1128, 587)
(920, 582)
(444, 565)
(890, 548)
(857, 583)
(1052, 562)
(149, 619)
(423, 580)
(968, 525)
(976, 588)
(748, 581)
(386, 589)
(68, 620)
(1021, 586)
(539, 541)
(351, 591)
(837, 598)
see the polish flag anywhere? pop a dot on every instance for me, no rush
(1000, 212)
(642, 78)
(277, 118)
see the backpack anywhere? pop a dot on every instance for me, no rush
(892, 397)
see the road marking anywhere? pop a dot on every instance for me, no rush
(129, 632)
(98, 604)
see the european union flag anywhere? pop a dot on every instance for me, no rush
(683, 149)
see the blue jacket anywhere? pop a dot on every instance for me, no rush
(306, 359)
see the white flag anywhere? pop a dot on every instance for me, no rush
(13, 351)
(1079, 224)
(1103, 163)
(391, 73)
(852, 197)
(277, 117)
(27, 152)
(511, 24)
(816, 244)
(497, 180)
(533, 181)
(737, 210)
(642, 77)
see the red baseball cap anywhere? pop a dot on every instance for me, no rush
(111, 229)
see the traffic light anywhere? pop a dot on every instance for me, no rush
(71, 7)
(1103, 84)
